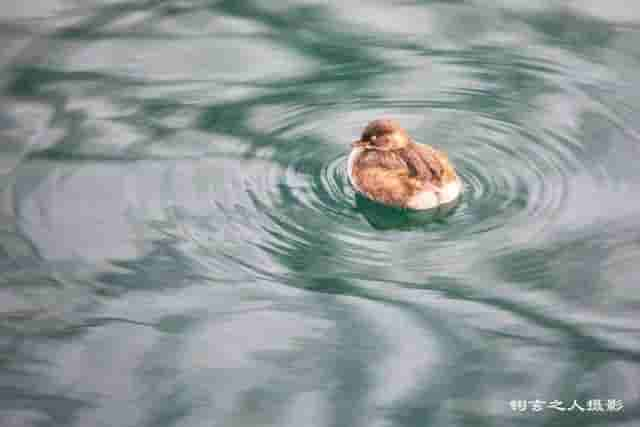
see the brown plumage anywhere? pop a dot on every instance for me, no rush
(387, 166)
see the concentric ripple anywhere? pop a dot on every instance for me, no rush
(515, 179)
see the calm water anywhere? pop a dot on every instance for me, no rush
(180, 245)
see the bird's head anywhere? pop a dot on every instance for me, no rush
(383, 135)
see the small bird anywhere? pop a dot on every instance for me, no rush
(385, 165)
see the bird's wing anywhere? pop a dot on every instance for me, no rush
(434, 165)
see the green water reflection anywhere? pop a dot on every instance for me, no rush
(180, 245)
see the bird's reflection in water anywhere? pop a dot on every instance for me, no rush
(383, 217)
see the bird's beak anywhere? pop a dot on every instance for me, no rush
(359, 144)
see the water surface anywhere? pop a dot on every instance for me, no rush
(180, 245)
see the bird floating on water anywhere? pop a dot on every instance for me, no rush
(385, 165)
